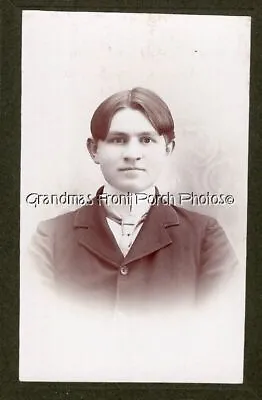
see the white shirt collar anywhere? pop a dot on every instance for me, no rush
(128, 204)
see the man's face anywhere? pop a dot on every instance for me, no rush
(133, 153)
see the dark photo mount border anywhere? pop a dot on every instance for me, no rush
(11, 388)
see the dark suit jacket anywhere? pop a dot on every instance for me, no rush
(177, 254)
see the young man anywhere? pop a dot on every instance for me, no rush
(124, 250)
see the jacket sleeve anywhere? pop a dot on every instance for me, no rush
(217, 259)
(41, 251)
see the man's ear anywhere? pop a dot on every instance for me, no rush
(170, 147)
(91, 145)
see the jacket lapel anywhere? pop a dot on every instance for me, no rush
(153, 235)
(94, 234)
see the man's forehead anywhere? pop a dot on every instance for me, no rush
(130, 121)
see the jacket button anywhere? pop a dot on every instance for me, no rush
(124, 270)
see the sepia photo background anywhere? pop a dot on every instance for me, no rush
(199, 65)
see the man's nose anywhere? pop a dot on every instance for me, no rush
(132, 151)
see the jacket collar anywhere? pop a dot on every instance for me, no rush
(94, 233)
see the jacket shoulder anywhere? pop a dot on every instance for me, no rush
(194, 216)
(49, 226)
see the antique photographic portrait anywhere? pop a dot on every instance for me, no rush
(133, 197)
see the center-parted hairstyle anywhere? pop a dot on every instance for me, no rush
(143, 100)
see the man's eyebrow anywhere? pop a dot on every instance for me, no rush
(117, 133)
(152, 133)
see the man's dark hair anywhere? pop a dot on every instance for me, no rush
(143, 100)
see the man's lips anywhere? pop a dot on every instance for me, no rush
(131, 169)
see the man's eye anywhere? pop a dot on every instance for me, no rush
(117, 140)
(146, 139)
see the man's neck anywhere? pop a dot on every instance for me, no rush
(127, 203)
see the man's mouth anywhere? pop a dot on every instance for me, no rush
(131, 169)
